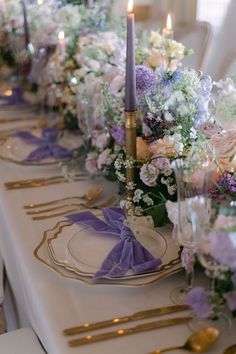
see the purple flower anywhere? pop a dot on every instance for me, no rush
(145, 80)
(100, 141)
(231, 300)
(198, 300)
(227, 182)
(118, 133)
(162, 163)
(223, 248)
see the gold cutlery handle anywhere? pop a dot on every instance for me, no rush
(159, 351)
(128, 331)
(141, 315)
(92, 194)
(105, 204)
(42, 183)
(63, 206)
(62, 213)
(40, 180)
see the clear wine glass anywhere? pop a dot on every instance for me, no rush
(192, 202)
(221, 220)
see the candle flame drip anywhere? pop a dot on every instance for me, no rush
(169, 22)
(130, 6)
(61, 36)
(8, 93)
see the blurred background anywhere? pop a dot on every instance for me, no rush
(207, 26)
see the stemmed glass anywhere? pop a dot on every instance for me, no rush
(212, 250)
(90, 119)
(222, 220)
(192, 202)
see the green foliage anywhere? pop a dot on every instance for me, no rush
(70, 121)
(159, 215)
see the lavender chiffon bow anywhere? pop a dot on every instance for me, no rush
(47, 146)
(15, 99)
(127, 253)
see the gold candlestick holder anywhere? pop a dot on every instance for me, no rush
(131, 151)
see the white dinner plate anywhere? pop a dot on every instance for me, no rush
(16, 150)
(82, 250)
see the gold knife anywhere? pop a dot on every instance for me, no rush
(128, 331)
(40, 179)
(44, 183)
(12, 120)
(141, 315)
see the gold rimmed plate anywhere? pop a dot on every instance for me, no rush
(170, 260)
(16, 150)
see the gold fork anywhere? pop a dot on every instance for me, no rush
(92, 194)
(81, 206)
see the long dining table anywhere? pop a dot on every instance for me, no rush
(49, 302)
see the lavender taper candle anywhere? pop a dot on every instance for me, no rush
(26, 28)
(130, 80)
(90, 3)
(130, 106)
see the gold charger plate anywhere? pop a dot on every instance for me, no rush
(43, 254)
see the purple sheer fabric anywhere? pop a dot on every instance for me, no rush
(127, 253)
(16, 99)
(47, 146)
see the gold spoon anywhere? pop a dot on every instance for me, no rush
(198, 342)
(230, 350)
(92, 194)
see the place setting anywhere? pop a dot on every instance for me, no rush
(79, 253)
(43, 147)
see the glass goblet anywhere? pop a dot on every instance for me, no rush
(191, 202)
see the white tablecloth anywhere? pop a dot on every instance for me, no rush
(50, 303)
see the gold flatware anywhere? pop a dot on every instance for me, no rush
(127, 331)
(105, 204)
(92, 194)
(40, 179)
(63, 206)
(44, 181)
(12, 120)
(40, 124)
(198, 342)
(141, 315)
(230, 350)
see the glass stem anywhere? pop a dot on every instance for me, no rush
(189, 276)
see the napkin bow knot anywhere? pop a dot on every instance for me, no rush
(127, 253)
(47, 144)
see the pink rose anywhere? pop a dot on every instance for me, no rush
(149, 174)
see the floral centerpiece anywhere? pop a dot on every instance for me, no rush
(172, 101)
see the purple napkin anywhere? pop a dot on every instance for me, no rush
(16, 99)
(47, 145)
(127, 253)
